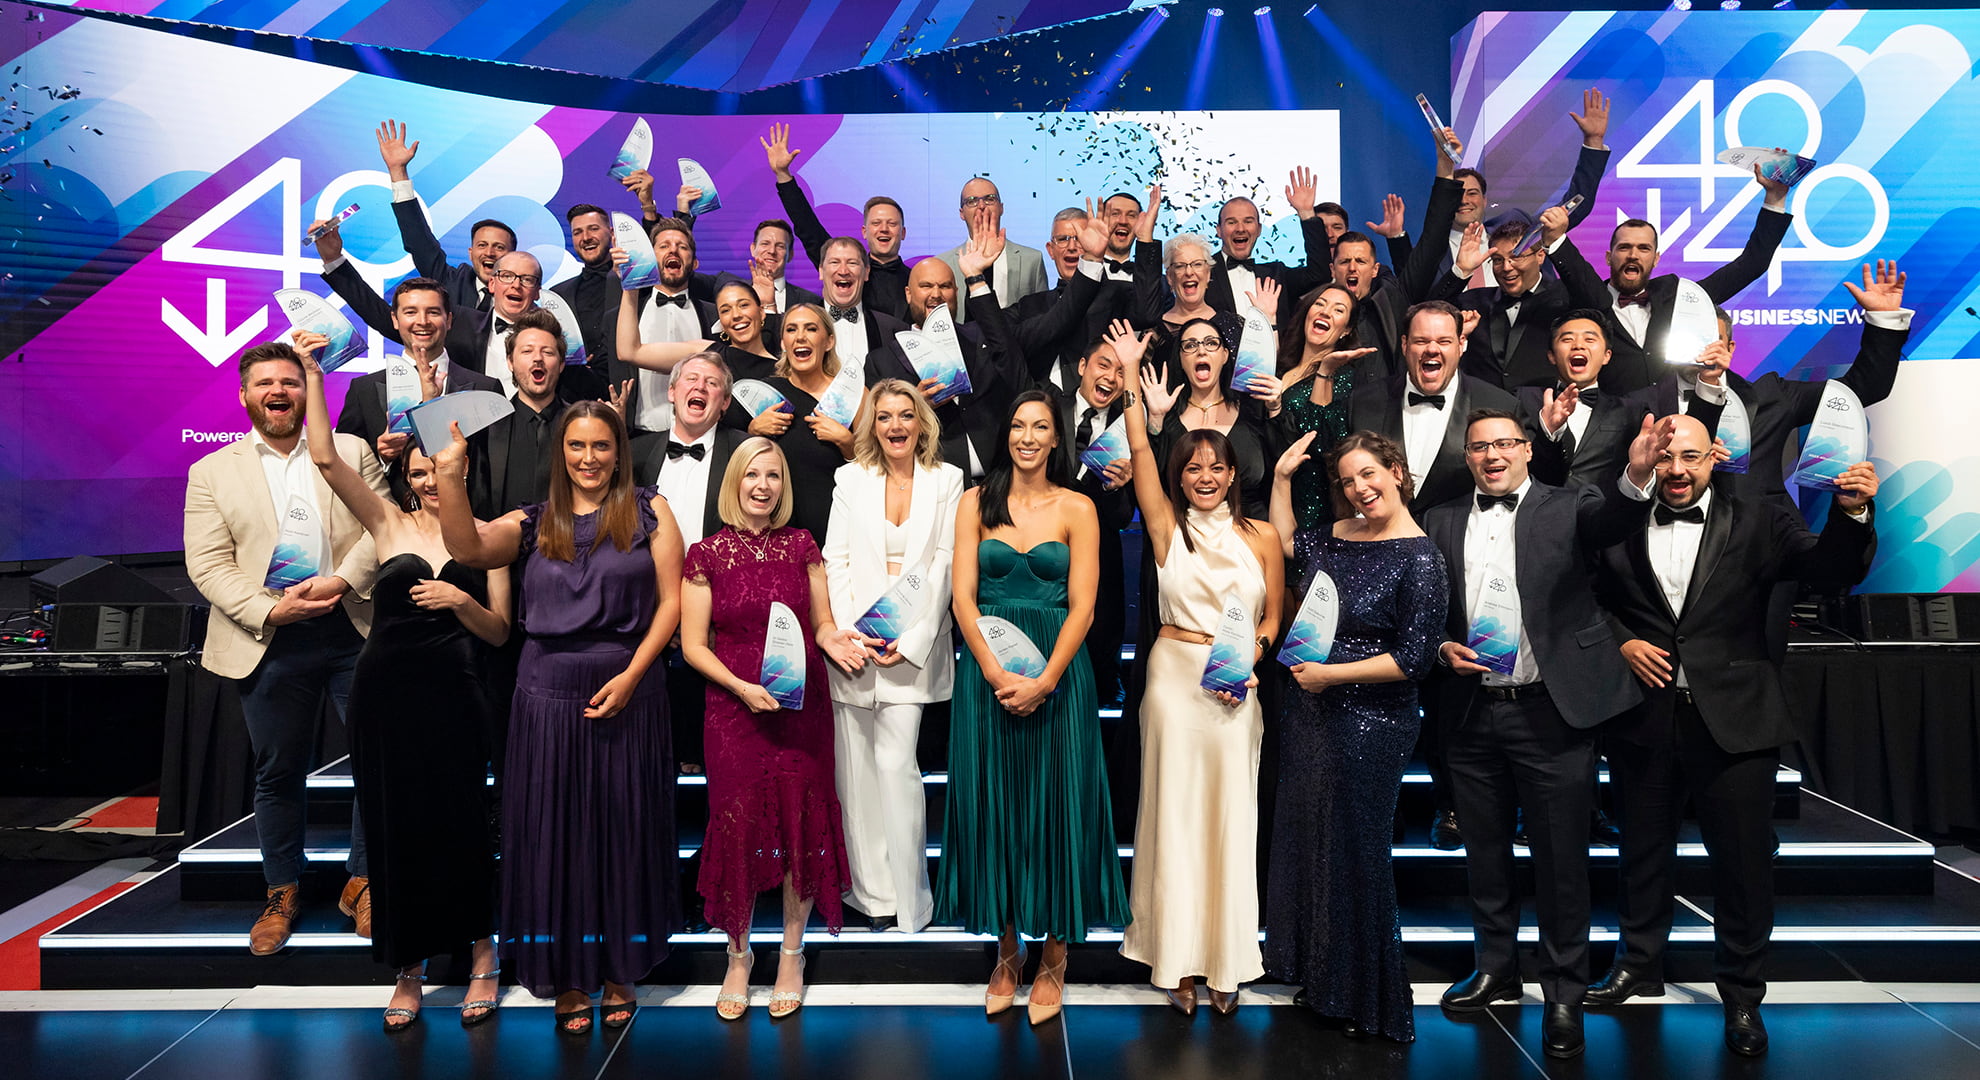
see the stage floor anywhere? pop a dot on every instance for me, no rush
(904, 1032)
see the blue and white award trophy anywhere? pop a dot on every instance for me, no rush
(1494, 632)
(898, 608)
(636, 153)
(840, 401)
(1231, 651)
(783, 657)
(642, 267)
(474, 410)
(693, 175)
(1736, 431)
(1838, 437)
(307, 311)
(935, 353)
(298, 554)
(1775, 164)
(1694, 324)
(568, 323)
(759, 397)
(1108, 447)
(1258, 352)
(1310, 638)
(1014, 651)
(402, 392)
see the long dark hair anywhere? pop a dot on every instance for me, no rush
(1230, 357)
(1172, 479)
(1292, 346)
(618, 514)
(993, 497)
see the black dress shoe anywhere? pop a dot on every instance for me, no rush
(1353, 1030)
(1560, 1032)
(1745, 1034)
(879, 923)
(1619, 985)
(1478, 990)
(1603, 831)
(1444, 835)
(1519, 828)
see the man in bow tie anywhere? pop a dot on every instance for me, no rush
(1529, 668)
(664, 312)
(1235, 272)
(466, 284)
(882, 229)
(1512, 346)
(1583, 431)
(1689, 600)
(1055, 328)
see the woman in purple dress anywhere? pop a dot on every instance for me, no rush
(590, 869)
(773, 814)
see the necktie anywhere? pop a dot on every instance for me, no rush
(482, 304)
(845, 314)
(675, 450)
(1510, 500)
(1083, 434)
(1664, 515)
(1639, 298)
(679, 300)
(1435, 401)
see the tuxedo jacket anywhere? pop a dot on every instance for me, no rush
(1115, 508)
(1633, 366)
(1589, 165)
(467, 337)
(996, 375)
(649, 454)
(1508, 352)
(1377, 406)
(855, 554)
(230, 532)
(1294, 281)
(1720, 636)
(1024, 267)
(1556, 533)
(463, 285)
(1054, 327)
(886, 286)
(1378, 320)
(1603, 448)
(618, 371)
(364, 413)
(490, 463)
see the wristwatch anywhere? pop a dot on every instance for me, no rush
(976, 279)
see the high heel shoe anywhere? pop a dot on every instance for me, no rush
(1183, 997)
(739, 1001)
(1057, 973)
(996, 1003)
(410, 1016)
(785, 1002)
(1224, 1003)
(486, 1005)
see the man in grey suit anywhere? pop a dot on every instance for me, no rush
(1017, 273)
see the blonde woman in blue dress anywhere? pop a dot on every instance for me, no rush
(1194, 895)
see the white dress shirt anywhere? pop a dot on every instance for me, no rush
(1423, 430)
(663, 322)
(1488, 543)
(684, 481)
(1673, 551)
(496, 363)
(292, 478)
(1242, 282)
(1093, 426)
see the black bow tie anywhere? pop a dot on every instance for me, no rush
(675, 450)
(1665, 515)
(1245, 261)
(1510, 500)
(1435, 401)
(1639, 298)
(846, 314)
(1589, 394)
(679, 300)
(1118, 266)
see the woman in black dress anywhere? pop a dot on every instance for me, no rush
(1349, 726)
(814, 444)
(417, 714)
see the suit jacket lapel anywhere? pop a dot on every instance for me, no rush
(1638, 551)
(252, 483)
(920, 519)
(1450, 450)
(1718, 528)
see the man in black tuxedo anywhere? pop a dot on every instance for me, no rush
(488, 240)
(1689, 600)
(972, 423)
(1639, 305)
(593, 295)
(861, 333)
(1512, 347)
(509, 461)
(668, 311)
(1583, 432)
(421, 317)
(1519, 732)
(1234, 272)
(1055, 329)
(1382, 303)
(882, 228)
(1084, 412)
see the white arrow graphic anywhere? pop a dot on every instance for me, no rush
(216, 342)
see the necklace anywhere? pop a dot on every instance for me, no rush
(900, 485)
(1205, 409)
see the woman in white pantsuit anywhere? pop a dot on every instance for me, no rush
(893, 514)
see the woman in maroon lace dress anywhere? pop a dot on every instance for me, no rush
(773, 815)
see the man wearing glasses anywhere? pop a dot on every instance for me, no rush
(1018, 272)
(1511, 348)
(1528, 668)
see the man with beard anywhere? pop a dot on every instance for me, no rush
(664, 312)
(422, 318)
(882, 227)
(1055, 328)
(1518, 724)
(1689, 598)
(1018, 272)
(1084, 412)
(1234, 272)
(972, 423)
(1641, 306)
(593, 295)
(1593, 120)
(1513, 347)
(510, 460)
(467, 284)
(283, 564)
(1381, 303)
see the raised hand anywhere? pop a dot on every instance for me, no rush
(1553, 224)
(1856, 487)
(1555, 409)
(1391, 225)
(1302, 191)
(765, 286)
(452, 458)
(1448, 137)
(684, 198)
(1777, 192)
(1593, 120)
(985, 244)
(640, 183)
(1295, 456)
(1144, 225)
(777, 148)
(1471, 250)
(1340, 358)
(393, 149)
(308, 343)
(429, 377)
(1467, 322)
(329, 241)
(1129, 345)
(616, 397)
(1653, 437)
(1160, 396)
(1713, 362)
(1092, 234)
(1264, 296)
(1884, 292)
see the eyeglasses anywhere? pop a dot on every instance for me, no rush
(974, 201)
(1190, 267)
(1501, 445)
(1687, 458)
(1202, 345)
(1067, 240)
(510, 276)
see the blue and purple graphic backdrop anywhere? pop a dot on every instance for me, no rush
(1886, 101)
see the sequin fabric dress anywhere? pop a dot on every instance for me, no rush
(1312, 495)
(1331, 902)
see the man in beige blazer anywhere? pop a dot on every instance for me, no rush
(283, 647)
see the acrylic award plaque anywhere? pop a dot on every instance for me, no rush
(642, 268)
(636, 153)
(1109, 446)
(1736, 431)
(1231, 650)
(1534, 234)
(1838, 437)
(759, 397)
(1494, 632)
(783, 657)
(935, 353)
(307, 311)
(1694, 324)
(1437, 127)
(568, 323)
(693, 175)
(402, 392)
(840, 401)
(897, 609)
(1258, 352)
(1310, 638)
(474, 410)
(298, 554)
(1775, 164)
(1014, 651)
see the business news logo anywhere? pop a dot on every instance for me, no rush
(1797, 316)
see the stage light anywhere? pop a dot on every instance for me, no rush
(1162, 11)
(1784, 5)
(1275, 61)
(1199, 72)
(1266, 10)
(1096, 92)
(1310, 9)
(1216, 13)
(1680, 5)
(1728, 5)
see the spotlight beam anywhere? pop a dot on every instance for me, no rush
(1096, 93)
(1275, 61)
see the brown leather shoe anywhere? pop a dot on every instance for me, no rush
(277, 920)
(356, 902)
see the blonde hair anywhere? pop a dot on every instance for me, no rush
(866, 443)
(728, 503)
(829, 363)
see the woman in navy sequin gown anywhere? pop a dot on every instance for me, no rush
(1349, 726)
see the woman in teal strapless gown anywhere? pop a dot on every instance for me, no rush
(1028, 846)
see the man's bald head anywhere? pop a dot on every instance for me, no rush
(1685, 470)
(931, 284)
